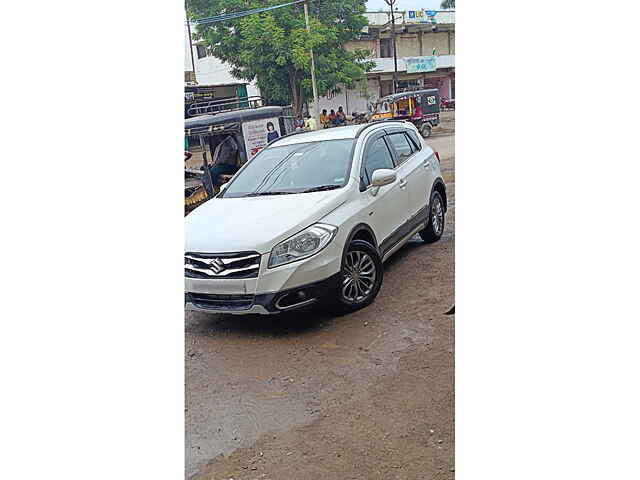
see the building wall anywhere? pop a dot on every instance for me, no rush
(443, 82)
(422, 43)
(438, 40)
(371, 45)
(353, 100)
(408, 45)
(211, 70)
(187, 57)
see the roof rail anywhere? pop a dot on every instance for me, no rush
(377, 122)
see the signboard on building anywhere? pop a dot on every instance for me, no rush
(421, 16)
(258, 133)
(421, 64)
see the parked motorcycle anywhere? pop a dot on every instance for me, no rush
(447, 104)
(359, 118)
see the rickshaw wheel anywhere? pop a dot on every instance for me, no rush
(425, 130)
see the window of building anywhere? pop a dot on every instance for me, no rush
(408, 85)
(386, 48)
(202, 51)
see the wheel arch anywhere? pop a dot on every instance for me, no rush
(362, 231)
(441, 188)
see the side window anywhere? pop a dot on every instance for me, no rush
(377, 156)
(401, 145)
(417, 144)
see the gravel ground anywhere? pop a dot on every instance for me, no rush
(368, 395)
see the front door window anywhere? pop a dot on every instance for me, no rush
(377, 157)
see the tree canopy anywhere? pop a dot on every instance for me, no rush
(448, 4)
(273, 47)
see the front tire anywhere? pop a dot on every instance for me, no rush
(360, 277)
(435, 226)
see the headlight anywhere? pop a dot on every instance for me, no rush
(302, 245)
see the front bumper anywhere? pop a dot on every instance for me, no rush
(266, 303)
(304, 282)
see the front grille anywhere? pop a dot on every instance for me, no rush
(223, 265)
(221, 302)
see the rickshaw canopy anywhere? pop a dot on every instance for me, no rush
(228, 122)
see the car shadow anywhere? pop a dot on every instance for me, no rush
(285, 324)
(405, 251)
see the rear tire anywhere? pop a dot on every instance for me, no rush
(435, 226)
(425, 130)
(360, 279)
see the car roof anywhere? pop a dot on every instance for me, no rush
(334, 133)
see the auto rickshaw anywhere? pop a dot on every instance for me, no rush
(251, 130)
(420, 107)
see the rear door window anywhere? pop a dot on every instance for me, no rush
(417, 144)
(402, 145)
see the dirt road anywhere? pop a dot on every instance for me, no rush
(362, 396)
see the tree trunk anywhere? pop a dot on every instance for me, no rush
(296, 93)
(300, 96)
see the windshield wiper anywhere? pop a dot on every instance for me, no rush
(260, 194)
(321, 188)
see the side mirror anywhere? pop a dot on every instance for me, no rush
(382, 177)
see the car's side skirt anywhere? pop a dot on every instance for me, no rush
(404, 240)
(404, 233)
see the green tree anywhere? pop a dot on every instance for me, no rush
(448, 4)
(273, 47)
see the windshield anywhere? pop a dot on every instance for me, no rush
(298, 168)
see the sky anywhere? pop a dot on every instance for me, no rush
(375, 5)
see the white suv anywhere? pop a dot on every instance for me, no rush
(311, 218)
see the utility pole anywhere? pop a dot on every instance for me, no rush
(193, 64)
(393, 40)
(313, 69)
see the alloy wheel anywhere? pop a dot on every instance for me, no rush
(437, 215)
(359, 276)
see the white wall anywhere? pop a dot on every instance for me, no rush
(351, 100)
(187, 56)
(211, 70)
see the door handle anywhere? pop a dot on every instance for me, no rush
(403, 183)
(426, 164)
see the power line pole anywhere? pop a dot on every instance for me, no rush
(193, 64)
(393, 40)
(313, 69)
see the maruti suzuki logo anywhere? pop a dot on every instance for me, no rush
(217, 266)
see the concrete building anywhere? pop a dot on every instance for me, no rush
(209, 70)
(418, 34)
